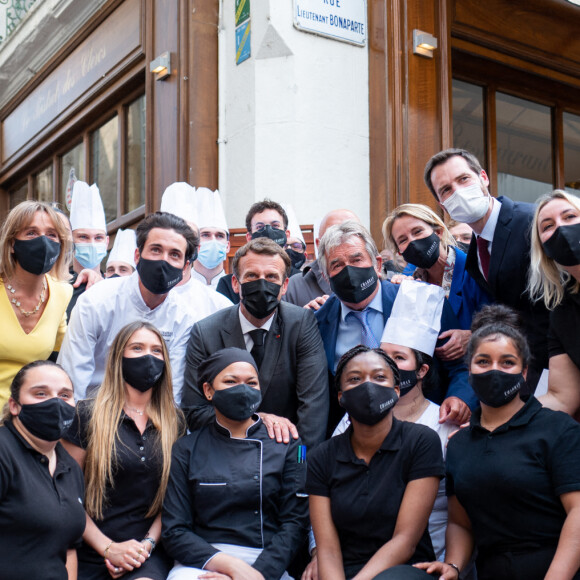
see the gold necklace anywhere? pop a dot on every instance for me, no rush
(16, 302)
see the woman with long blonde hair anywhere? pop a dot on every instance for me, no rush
(34, 289)
(555, 280)
(122, 439)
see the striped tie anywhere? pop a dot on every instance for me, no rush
(367, 336)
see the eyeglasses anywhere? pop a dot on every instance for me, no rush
(297, 246)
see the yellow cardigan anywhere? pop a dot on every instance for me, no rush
(18, 348)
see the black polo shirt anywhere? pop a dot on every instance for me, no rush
(365, 499)
(509, 480)
(41, 516)
(137, 472)
(563, 336)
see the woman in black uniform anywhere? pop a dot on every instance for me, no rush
(513, 476)
(373, 487)
(555, 279)
(235, 507)
(41, 486)
(123, 441)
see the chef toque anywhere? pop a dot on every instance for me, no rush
(293, 225)
(124, 248)
(86, 210)
(179, 199)
(415, 319)
(210, 210)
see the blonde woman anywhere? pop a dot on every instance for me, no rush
(555, 279)
(34, 293)
(417, 233)
(122, 439)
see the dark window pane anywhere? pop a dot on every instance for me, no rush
(43, 185)
(19, 194)
(524, 148)
(468, 119)
(572, 153)
(71, 163)
(105, 164)
(135, 188)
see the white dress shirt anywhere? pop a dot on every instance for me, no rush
(108, 306)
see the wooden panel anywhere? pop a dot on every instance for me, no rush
(542, 31)
(202, 85)
(91, 62)
(409, 104)
(163, 122)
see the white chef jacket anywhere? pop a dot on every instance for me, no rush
(108, 306)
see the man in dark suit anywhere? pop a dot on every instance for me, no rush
(359, 307)
(283, 338)
(499, 254)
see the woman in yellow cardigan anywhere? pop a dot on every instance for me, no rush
(34, 289)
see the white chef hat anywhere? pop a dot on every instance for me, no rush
(210, 210)
(179, 199)
(293, 225)
(415, 319)
(124, 248)
(86, 210)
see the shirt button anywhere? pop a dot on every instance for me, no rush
(256, 477)
(144, 437)
(142, 458)
(141, 448)
(43, 459)
(256, 512)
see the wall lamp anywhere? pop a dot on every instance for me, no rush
(161, 66)
(424, 43)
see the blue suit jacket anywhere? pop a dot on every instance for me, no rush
(453, 375)
(466, 297)
(508, 273)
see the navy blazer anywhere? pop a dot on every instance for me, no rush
(452, 374)
(466, 297)
(508, 273)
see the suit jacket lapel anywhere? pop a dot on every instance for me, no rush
(472, 266)
(272, 345)
(501, 236)
(231, 331)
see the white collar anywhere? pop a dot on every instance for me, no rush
(376, 304)
(489, 228)
(247, 326)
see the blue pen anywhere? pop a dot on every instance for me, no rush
(302, 454)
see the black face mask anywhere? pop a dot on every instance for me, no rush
(496, 388)
(408, 379)
(237, 403)
(260, 297)
(423, 253)
(158, 276)
(564, 245)
(276, 235)
(142, 372)
(463, 247)
(48, 420)
(296, 258)
(353, 284)
(368, 402)
(38, 255)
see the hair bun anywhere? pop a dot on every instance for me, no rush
(496, 314)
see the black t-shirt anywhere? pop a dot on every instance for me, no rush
(563, 337)
(41, 516)
(509, 481)
(137, 473)
(365, 499)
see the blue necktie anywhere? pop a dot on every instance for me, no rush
(367, 336)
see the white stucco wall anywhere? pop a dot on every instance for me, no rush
(294, 118)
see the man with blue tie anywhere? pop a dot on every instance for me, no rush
(359, 307)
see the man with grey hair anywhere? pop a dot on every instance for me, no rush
(311, 285)
(358, 310)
